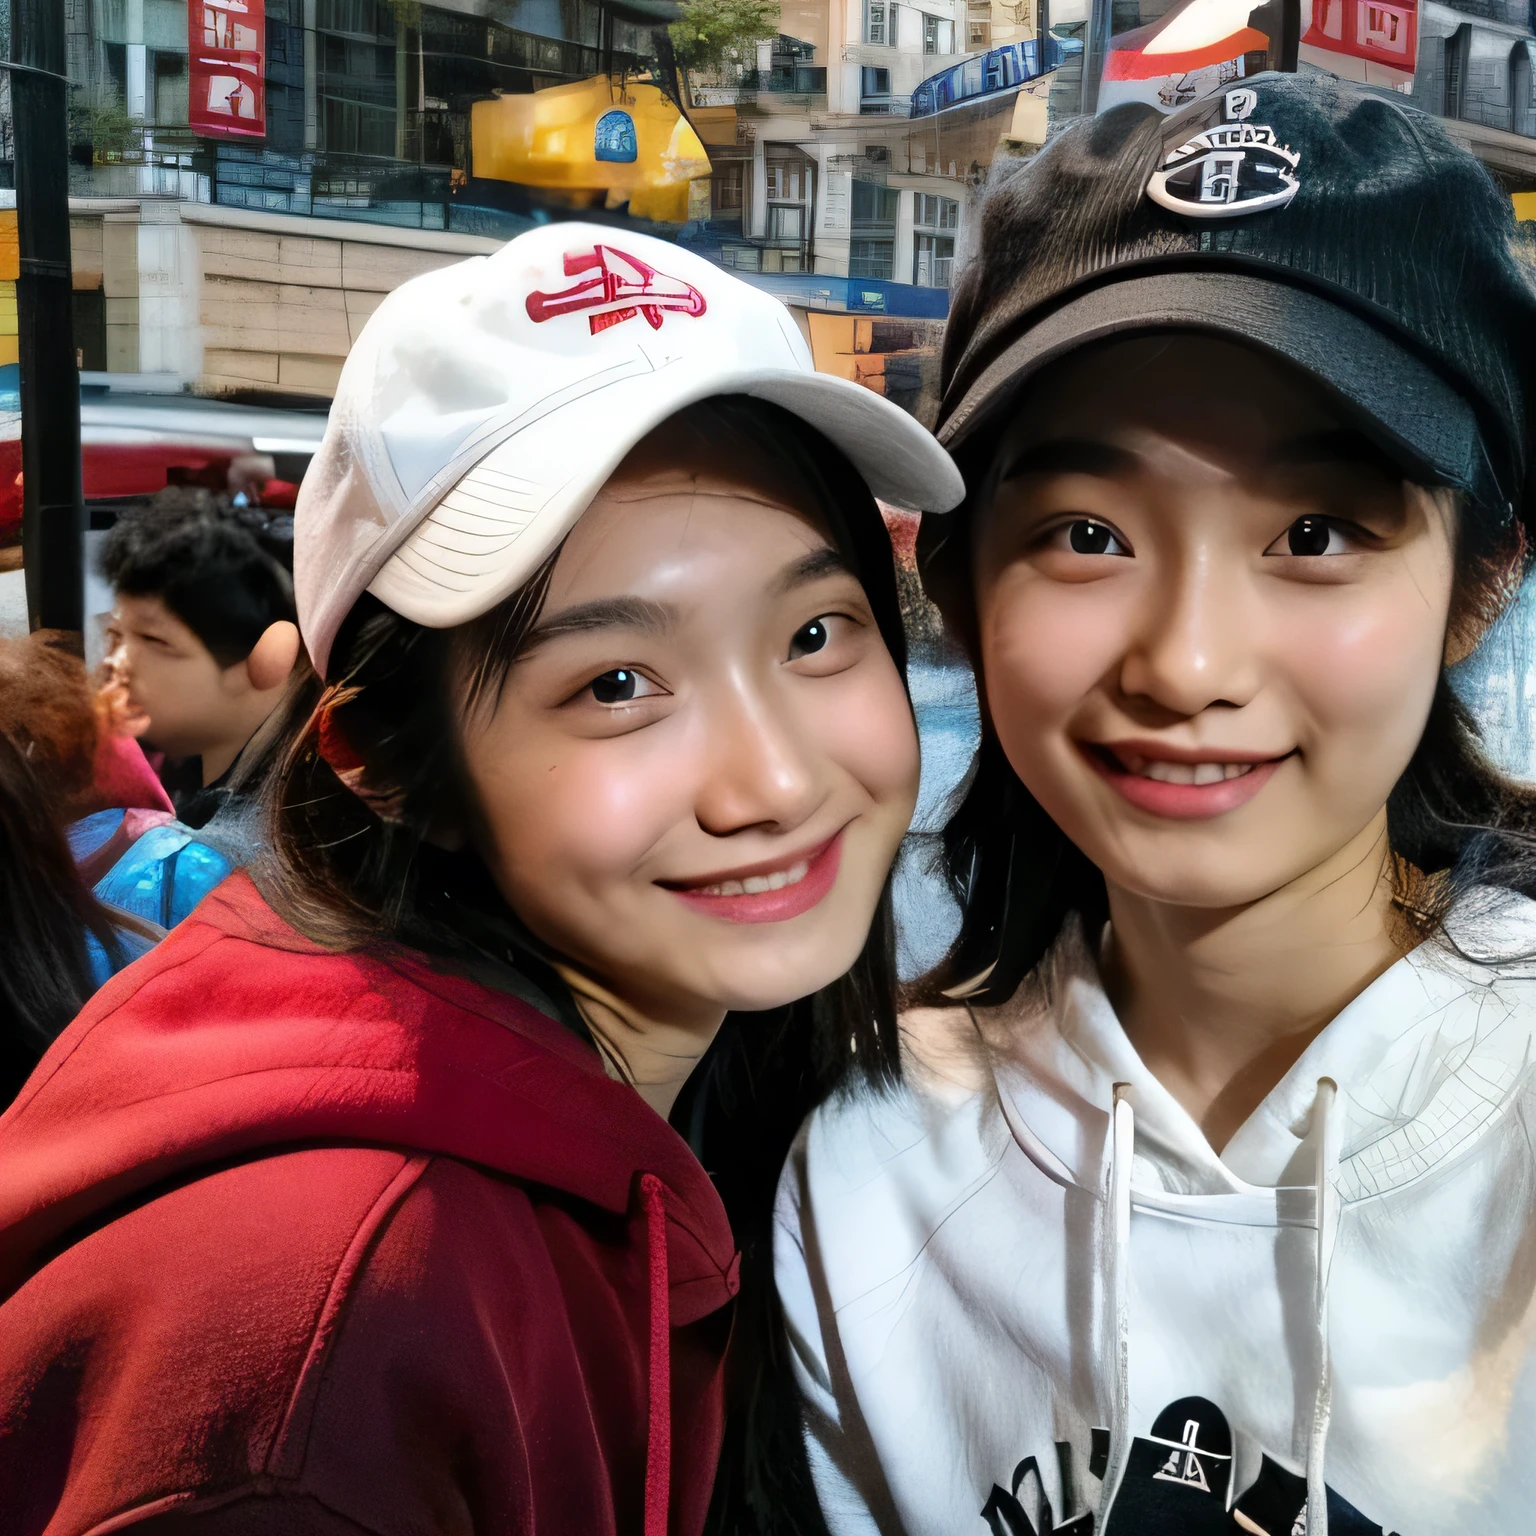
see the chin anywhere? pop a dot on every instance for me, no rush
(1202, 887)
(758, 984)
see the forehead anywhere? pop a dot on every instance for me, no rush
(144, 610)
(676, 534)
(1205, 391)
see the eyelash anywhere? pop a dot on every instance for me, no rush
(625, 676)
(1332, 526)
(1065, 527)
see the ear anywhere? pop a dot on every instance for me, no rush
(273, 656)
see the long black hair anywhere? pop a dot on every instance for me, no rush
(1455, 822)
(47, 743)
(374, 769)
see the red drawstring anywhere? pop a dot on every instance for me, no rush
(658, 1445)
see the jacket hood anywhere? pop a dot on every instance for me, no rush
(1408, 1075)
(1422, 1059)
(237, 1035)
(1031, 1233)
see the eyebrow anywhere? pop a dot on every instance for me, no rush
(808, 568)
(1070, 456)
(640, 613)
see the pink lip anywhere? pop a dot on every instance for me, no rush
(772, 906)
(1182, 802)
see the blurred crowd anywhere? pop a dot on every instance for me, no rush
(126, 792)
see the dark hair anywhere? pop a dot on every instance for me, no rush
(1454, 821)
(221, 569)
(47, 742)
(353, 865)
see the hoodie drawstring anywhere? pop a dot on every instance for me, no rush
(1115, 1265)
(658, 1441)
(1326, 1118)
(1115, 1260)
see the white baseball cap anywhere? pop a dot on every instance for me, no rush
(485, 404)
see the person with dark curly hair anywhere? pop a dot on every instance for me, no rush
(202, 633)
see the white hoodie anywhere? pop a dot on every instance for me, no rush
(1018, 1293)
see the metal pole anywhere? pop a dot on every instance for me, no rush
(53, 511)
(1095, 46)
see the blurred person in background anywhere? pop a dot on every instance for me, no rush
(202, 637)
(61, 941)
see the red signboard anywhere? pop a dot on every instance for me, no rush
(1382, 33)
(227, 47)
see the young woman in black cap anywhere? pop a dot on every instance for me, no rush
(1205, 1205)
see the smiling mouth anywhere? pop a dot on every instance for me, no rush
(757, 885)
(1181, 790)
(765, 895)
(1165, 772)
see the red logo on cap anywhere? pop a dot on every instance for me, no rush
(620, 286)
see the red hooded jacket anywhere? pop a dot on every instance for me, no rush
(298, 1242)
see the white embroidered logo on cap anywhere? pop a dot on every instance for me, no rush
(1234, 168)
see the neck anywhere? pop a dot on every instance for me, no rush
(219, 759)
(653, 1055)
(1220, 1003)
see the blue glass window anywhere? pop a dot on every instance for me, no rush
(615, 137)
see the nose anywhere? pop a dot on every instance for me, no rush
(1195, 645)
(758, 768)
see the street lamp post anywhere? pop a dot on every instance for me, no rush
(53, 511)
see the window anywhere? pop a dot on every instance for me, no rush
(351, 127)
(874, 205)
(933, 257)
(1523, 105)
(930, 34)
(725, 188)
(980, 33)
(877, 27)
(876, 82)
(362, 18)
(784, 181)
(170, 87)
(935, 212)
(1456, 71)
(871, 258)
(115, 56)
(786, 222)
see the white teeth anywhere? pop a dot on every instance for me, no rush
(1182, 773)
(756, 885)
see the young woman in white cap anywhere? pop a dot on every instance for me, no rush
(356, 1206)
(1206, 1203)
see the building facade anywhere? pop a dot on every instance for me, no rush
(850, 149)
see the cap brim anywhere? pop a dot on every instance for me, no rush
(1411, 411)
(505, 516)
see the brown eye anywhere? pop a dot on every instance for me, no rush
(1308, 536)
(809, 639)
(616, 687)
(1087, 537)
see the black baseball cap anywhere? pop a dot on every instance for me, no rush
(1330, 224)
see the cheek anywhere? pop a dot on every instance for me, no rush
(1044, 647)
(867, 728)
(574, 815)
(164, 687)
(1364, 674)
